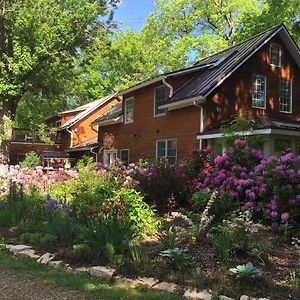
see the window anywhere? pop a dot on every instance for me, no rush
(285, 96)
(159, 97)
(109, 157)
(275, 55)
(259, 91)
(282, 145)
(124, 155)
(167, 149)
(129, 110)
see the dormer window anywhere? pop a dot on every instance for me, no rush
(160, 94)
(128, 112)
(275, 55)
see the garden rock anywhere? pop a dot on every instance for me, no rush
(81, 270)
(102, 272)
(29, 253)
(166, 287)
(194, 295)
(56, 264)
(46, 258)
(222, 297)
(15, 249)
(123, 280)
(148, 281)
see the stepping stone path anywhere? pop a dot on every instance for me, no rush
(107, 274)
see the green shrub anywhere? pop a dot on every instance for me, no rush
(48, 240)
(168, 238)
(111, 237)
(31, 238)
(31, 160)
(62, 226)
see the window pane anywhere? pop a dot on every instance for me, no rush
(161, 149)
(285, 98)
(258, 91)
(275, 55)
(159, 97)
(124, 155)
(171, 151)
(129, 103)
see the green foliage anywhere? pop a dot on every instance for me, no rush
(177, 256)
(295, 282)
(168, 238)
(31, 238)
(63, 226)
(246, 272)
(240, 127)
(111, 238)
(31, 160)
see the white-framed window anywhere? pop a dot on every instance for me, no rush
(160, 94)
(128, 113)
(168, 149)
(275, 54)
(109, 156)
(259, 83)
(124, 155)
(285, 96)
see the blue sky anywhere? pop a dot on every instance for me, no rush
(132, 13)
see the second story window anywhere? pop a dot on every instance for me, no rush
(259, 91)
(275, 55)
(128, 113)
(285, 96)
(160, 94)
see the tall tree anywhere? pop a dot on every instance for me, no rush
(39, 43)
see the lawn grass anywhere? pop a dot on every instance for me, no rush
(90, 287)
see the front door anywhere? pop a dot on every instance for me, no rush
(109, 156)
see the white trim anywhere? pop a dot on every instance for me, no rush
(166, 148)
(291, 99)
(280, 54)
(184, 103)
(110, 121)
(109, 151)
(154, 102)
(265, 91)
(33, 143)
(267, 131)
(125, 111)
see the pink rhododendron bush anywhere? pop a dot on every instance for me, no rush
(269, 187)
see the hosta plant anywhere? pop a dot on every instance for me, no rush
(247, 271)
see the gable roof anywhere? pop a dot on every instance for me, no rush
(113, 113)
(222, 64)
(87, 109)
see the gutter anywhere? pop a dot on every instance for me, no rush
(184, 103)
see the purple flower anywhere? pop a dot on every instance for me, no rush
(285, 216)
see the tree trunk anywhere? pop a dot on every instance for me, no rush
(7, 115)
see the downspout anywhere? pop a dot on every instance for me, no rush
(71, 133)
(168, 85)
(93, 152)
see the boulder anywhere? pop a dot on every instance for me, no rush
(166, 287)
(29, 253)
(102, 272)
(194, 295)
(15, 249)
